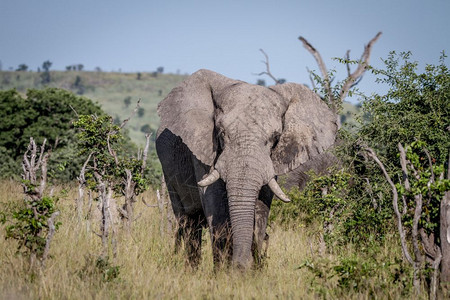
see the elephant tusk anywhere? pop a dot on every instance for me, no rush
(210, 179)
(277, 191)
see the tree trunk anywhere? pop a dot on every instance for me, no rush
(445, 239)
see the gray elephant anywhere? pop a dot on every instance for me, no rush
(221, 143)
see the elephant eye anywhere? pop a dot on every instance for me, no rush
(221, 137)
(274, 139)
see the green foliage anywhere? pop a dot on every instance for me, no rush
(78, 85)
(127, 101)
(22, 68)
(99, 137)
(30, 224)
(109, 89)
(45, 76)
(359, 274)
(425, 183)
(42, 113)
(140, 112)
(416, 107)
(341, 204)
(146, 128)
(100, 268)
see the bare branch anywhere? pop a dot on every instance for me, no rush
(362, 65)
(399, 216)
(148, 205)
(74, 111)
(347, 58)
(51, 233)
(267, 72)
(404, 169)
(132, 114)
(145, 153)
(110, 150)
(311, 78)
(323, 70)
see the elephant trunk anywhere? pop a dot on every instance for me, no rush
(243, 187)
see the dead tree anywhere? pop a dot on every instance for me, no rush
(129, 186)
(267, 71)
(79, 201)
(427, 250)
(445, 234)
(333, 99)
(167, 223)
(34, 183)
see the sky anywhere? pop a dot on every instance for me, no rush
(224, 36)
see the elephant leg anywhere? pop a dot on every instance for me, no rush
(190, 231)
(260, 236)
(189, 225)
(215, 206)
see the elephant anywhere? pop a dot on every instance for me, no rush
(222, 143)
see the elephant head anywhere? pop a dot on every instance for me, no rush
(247, 134)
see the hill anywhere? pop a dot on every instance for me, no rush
(108, 89)
(114, 90)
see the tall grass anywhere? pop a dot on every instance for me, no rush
(150, 269)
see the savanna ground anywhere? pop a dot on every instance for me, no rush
(149, 268)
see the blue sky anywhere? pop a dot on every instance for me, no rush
(224, 36)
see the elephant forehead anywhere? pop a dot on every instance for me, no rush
(250, 105)
(250, 117)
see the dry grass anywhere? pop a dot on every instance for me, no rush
(149, 268)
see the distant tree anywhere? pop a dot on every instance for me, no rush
(22, 68)
(6, 79)
(281, 81)
(138, 76)
(146, 128)
(46, 65)
(78, 86)
(42, 113)
(127, 101)
(154, 74)
(33, 223)
(141, 112)
(68, 68)
(80, 67)
(261, 82)
(45, 76)
(98, 69)
(160, 70)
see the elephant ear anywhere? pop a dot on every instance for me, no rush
(188, 112)
(309, 128)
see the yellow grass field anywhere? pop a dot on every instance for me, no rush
(149, 268)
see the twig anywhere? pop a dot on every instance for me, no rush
(132, 114)
(362, 65)
(322, 67)
(145, 153)
(74, 111)
(311, 79)
(149, 205)
(267, 72)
